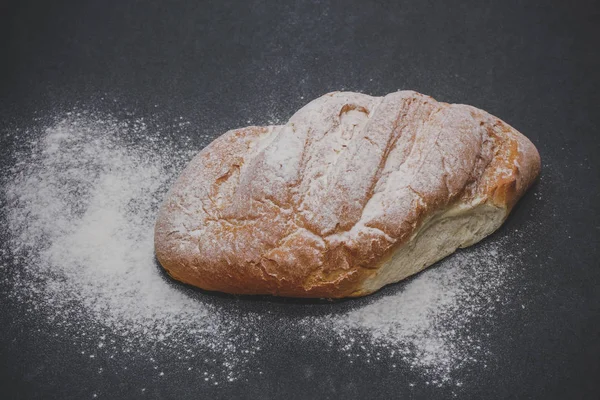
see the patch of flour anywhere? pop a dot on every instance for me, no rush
(81, 204)
(435, 322)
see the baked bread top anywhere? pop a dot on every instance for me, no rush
(314, 207)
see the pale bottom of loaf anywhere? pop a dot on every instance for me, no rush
(437, 238)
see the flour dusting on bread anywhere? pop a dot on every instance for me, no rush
(353, 193)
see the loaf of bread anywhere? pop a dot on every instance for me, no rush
(353, 193)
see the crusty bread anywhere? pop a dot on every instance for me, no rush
(353, 193)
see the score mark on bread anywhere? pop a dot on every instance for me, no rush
(353, 193)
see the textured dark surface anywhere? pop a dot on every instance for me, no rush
(220, 64)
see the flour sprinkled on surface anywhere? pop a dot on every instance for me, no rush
(81, 214)
(81, 202)
(428, 322)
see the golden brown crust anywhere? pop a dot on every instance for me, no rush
(313, 208)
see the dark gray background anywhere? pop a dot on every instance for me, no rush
(218, 64)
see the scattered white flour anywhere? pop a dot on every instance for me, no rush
(80, 204)
(430, 322)
(81, 208)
